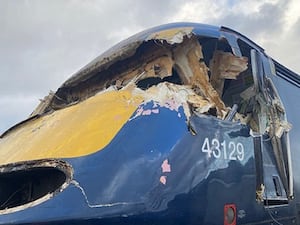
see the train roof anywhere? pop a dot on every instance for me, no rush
(168, 34)
(128, 46)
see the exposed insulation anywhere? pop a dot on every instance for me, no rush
(171, 36)
(168, 95)
(192, 69)
(225, 65)
(160, 67)
(199, 104)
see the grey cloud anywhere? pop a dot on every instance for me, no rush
(267, 21)
(266, 27)
(287, 49)
(44, 42)
(15, 108)
(295, 30)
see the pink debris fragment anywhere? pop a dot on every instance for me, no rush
(171, 104)
(165, 166)
(147, 112)
(139, 111)
(156, 111)
(163, 180)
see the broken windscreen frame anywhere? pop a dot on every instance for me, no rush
(268, 122)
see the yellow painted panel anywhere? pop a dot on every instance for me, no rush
(74, 131)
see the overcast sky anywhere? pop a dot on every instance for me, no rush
(42, 43)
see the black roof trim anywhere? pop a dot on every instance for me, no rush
(241, 36)
(287, 74)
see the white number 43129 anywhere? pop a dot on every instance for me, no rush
(226, 150)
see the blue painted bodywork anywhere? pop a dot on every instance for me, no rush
(124, 178)
(121, 184)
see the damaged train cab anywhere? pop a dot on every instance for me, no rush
(180, 124)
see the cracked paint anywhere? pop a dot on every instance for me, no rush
(77, 185)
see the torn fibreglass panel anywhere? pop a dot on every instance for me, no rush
(158, 68)
(225, 65)
(192, 69)
(171, 36)
(172, 96)
(175, 58)
(43, 104)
